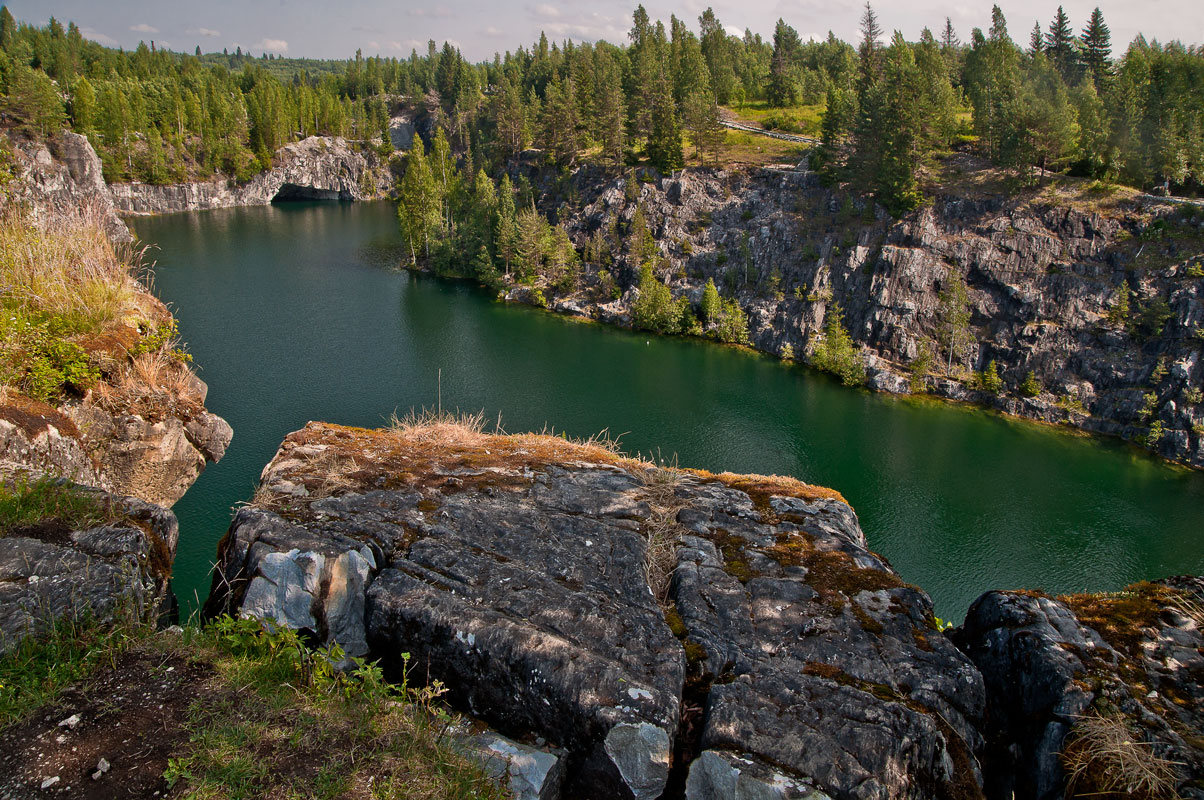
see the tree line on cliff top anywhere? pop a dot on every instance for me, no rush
(889, 106)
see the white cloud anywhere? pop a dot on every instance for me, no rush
(432, 13)
(732, 30)
(275, 45)
(98, 37)
(142, 27)
(546, 11)
(492, 30)
(374, 46)
(205, 32)
(396, 46)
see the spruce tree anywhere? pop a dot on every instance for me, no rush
(781, 90)
(1061, 46)
(1097, 47)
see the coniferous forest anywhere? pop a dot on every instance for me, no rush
(1063, 100)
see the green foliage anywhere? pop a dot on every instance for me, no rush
(654, 309)
(1118, 312)
(157, 338)
(1154, 434)
(953, 321)
(921, 365)
(39, 668)
(988, 380)
(1151, 318)
(37, 356)
(835, 352)
(1030, 387)
(712, 306)
(731, 325)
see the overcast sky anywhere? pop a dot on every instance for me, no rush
(324, 29)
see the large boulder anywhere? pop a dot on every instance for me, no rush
(670, 630)
(1088, 693)
(50, 572)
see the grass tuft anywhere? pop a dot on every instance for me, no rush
(1106, 757)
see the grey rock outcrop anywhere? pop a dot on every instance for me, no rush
(1041, 278)
(665, 629)
(63, 176)
(317, 168)
(1061, 674)
(50, 573)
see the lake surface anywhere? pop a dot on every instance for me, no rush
(297, 312)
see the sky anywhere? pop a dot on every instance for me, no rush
(321, 29)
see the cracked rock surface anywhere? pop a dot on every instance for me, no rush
(672, 633)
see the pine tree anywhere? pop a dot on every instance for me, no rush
(33, 100)
(505, 233)
(1036, 40)
(717, 51)
(836, 352)
(953, 320)
(83, 106)
(664, 140)
(1097, 48)
(949, 40)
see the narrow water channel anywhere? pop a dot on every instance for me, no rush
(296, 312)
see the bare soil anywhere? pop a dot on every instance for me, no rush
(131, 715)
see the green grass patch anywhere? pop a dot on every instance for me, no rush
(36, 672)
(25, 503)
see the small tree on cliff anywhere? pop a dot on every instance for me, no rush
(953, 320)
(836, 352)
(418, 208)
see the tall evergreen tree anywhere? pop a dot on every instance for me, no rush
(1061, 46)
(418, 202)
(1097, 47)
(782, 90)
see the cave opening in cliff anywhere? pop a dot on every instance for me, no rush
(291, 192)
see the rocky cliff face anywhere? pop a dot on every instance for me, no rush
(1042, 277)
(317, 168)
(62, 176)
(672, 632)
(50, 572)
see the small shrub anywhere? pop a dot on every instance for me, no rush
(836, 352)
(1030, 387)
(988, 380)
(1154, 434)
(1196, 270)
(919, 368)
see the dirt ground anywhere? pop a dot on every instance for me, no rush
(131, 716)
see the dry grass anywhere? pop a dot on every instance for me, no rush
(153, 385)
(662, 531)
(1105, 757)
(66, 266)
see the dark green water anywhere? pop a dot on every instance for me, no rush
(295, 312)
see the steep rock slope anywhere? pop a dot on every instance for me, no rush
(1046, 285)
(673, 631)
(59, 177)
(317, 168)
